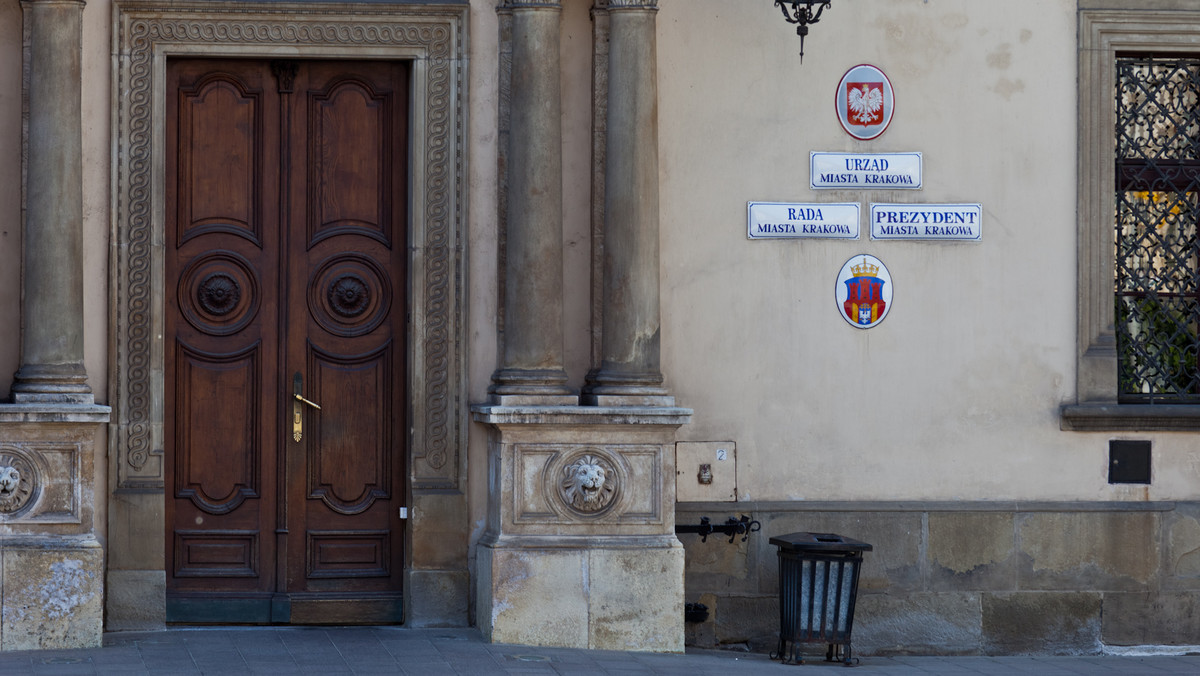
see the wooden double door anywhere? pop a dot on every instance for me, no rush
(286, 331)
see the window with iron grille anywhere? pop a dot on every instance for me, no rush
(1157, 253)
(1137, 206)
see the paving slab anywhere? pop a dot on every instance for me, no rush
(367, 651)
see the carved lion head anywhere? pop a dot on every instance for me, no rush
(10, 478)
(12, 496)
(586, 485)
(16, 482)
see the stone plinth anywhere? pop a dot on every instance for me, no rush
(601, 593)
(53, 593)
(51, 563)
(580, 549)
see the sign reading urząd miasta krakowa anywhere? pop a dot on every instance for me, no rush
(857, 171)
(782, 220)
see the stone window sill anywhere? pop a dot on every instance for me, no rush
(1128, 417)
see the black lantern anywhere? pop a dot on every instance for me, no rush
(800, 12)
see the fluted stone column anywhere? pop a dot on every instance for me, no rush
(52, 368)
(629, 373)
(532, 371)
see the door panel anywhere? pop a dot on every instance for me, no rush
(208, 388)
(220, 134)
(216, 553)
(222, 344)
(286, 207)
(353, 466)
(349, 159)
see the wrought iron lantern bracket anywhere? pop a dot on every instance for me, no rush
(801, 13)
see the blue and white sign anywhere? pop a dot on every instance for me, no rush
(951, 222)
(785, 220)
(888, 171)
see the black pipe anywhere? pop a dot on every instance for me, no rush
(732, 527)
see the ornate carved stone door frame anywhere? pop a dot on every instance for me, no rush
(145, 34)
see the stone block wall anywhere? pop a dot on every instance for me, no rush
(51, 560)
(580, 548)
(966, 578)
(53, 594)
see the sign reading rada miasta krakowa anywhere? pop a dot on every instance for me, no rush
(784, 220)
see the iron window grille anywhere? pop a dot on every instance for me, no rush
(1157, 261)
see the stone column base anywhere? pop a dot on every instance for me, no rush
(136, 599)
(51, 593)
(580, 549)
(51, 563)
(604, 593)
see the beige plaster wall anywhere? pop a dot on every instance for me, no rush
(483, 301)
(96, 67)
(97, 159)
(96, 100)
(576, 63)
(10, 189)
(956, 394)
(575, 60)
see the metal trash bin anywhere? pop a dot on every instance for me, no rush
(818, 586)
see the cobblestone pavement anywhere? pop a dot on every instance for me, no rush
(437, 652)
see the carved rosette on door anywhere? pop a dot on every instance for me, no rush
(350, 295)
(218, 293)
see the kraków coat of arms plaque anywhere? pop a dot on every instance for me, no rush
(864, 291)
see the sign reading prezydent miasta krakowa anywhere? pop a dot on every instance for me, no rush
(954, 222)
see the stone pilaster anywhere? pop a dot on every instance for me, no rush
(532, 371)
(580, 548)
(52, 282)
(51, 562)
(629, 372)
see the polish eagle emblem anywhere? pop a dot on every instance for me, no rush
(864, 103)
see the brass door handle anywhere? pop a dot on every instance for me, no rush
(310, 403)
(297, 409)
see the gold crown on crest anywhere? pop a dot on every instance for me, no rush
(864, 269)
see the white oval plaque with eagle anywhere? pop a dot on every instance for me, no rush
(865, 102)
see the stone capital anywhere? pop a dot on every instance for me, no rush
(27, 4)
(650, 5)
(532, 4)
